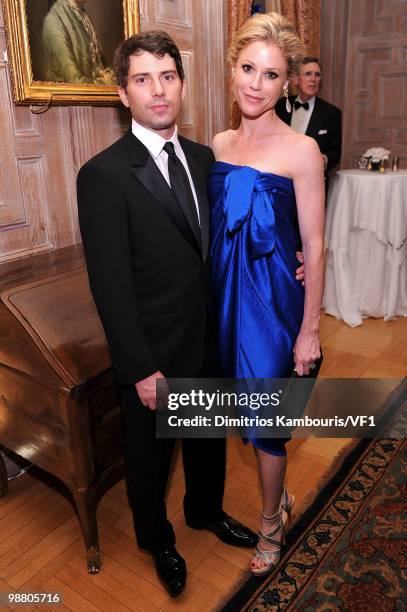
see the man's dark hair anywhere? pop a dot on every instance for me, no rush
(156, 42)
(311, 59)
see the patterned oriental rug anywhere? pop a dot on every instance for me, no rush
(348, 552)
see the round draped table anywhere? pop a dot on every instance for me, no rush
(366, 240)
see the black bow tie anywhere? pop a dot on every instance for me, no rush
(298, 104)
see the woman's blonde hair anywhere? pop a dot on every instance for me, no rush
(273, 28)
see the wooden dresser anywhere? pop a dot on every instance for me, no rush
(58, 402)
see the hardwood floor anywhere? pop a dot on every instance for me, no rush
(40, 544)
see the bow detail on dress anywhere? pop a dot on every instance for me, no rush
(252, 203)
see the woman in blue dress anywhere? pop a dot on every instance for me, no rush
(266, 174)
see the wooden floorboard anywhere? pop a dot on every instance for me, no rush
(41, 547)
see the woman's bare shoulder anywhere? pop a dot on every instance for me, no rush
(306, 155)
(222, 140)
(306, 143)
(298, 144)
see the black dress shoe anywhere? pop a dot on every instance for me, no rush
(229, 531)
(171, 570)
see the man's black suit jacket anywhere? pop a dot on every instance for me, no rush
(325, 126)
(149, 276)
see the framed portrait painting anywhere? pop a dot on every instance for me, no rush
(61, 51)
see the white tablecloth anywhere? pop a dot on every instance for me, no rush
(366, 239)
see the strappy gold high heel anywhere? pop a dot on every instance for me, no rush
(269, 558)
(287, 502)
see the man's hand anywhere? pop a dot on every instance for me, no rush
(299, 273)
(147, 391)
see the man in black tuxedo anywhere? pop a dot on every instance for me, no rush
(313, 116)
(144, 219)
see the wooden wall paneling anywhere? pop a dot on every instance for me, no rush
(172, 13)
(214, 50)
(83, 134)
(11, 205)
(109, 129)
(61, 176)
(334, 33)
(24, 220)
(272, 5)
(11, 211)
(30, 231)
(92, 129)
(28, 137)
(187, 115)
(120, 121)
(197, 83)
(209, 45)
(143, 10)
(25, 224)
(364, 57)
(37, 231)
(376, 79)
(25, 124)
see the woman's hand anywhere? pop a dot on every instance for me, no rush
(308, 174)
(306, 351)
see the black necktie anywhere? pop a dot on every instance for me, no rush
(181, 188)
(298, 104)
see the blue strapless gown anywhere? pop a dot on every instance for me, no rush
(260, 303)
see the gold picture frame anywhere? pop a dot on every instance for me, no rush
(47, 68)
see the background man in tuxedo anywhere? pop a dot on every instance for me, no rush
(144, 219)
(313, 116)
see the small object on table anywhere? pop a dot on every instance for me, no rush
(376, 155)
(362, 162)
(395, 164)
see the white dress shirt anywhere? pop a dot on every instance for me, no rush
(154, 143)
(300, 117)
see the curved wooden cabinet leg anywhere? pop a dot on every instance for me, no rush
(93, 559)
(3, 477)
(87, 518)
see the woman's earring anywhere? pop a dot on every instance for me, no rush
(287, 101)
